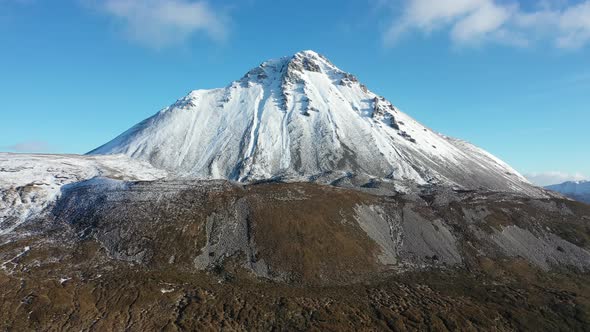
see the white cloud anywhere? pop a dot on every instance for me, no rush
(575, 26)
(555, 177)
(429, 15)
(163, 23)
(479, 21)
(29, 146)
(486, 19)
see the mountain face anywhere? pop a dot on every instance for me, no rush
(300, 117)
(578, 190)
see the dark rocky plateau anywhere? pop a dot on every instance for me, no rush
(188, 255)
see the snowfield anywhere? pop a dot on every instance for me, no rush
(31, 182)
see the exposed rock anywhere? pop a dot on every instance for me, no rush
(312, 233)
(118, 255)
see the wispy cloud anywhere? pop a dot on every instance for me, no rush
(473, 22)
(164, 23)
(555, 177)
(29, 146)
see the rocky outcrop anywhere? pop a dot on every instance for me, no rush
(183, 255)
(315, 233)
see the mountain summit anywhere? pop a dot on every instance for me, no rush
(301, 117)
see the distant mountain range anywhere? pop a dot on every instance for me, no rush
(578, 190)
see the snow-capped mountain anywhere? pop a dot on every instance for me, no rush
(300, 117)
(135, 221)
(578, 190)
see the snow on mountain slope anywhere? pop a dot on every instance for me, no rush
(301, 117)
(578, 190)
(31, 182)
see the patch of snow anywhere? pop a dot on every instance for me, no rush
(13, 259)
(29, 183)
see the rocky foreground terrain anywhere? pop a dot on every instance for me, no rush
(206, 255)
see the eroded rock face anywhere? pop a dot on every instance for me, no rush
(303, 232)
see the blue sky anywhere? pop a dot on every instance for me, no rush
(510, 76)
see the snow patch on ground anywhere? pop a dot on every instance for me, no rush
(14, 261)
(29, 183)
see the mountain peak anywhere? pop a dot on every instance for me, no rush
(312, 56)
(291, 68)
(308, 53)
